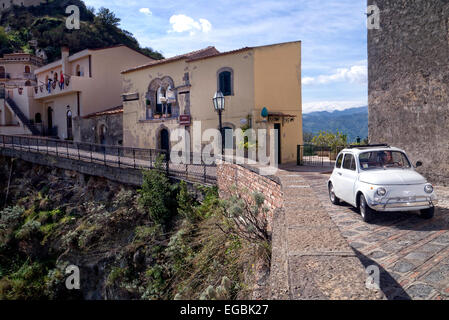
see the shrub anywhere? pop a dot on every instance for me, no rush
(186, 203)
(28, 230)
(11, 217)
(247, 215)
(156, 194)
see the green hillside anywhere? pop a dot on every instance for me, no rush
(352, 122)
(47, 24)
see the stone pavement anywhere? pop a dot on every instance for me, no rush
(311, 259)
(411, 253)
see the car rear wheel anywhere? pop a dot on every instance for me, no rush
(365, 211)
(427, 213)
(332, 195)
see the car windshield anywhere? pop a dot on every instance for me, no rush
(383, 160)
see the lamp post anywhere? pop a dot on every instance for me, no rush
(219, 106)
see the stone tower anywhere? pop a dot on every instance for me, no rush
(408, 81)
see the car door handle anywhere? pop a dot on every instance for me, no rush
(340, 174)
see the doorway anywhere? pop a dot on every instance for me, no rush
(165, 142)
(277, 126)
(50, 121)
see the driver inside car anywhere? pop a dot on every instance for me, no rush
(387, 159)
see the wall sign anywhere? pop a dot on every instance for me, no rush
(184, 119)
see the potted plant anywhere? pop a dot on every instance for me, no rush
(157, 115)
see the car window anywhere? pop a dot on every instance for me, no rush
(349, 162)
(383, 159)
(339, 161)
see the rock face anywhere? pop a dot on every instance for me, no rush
(409, 83)
(92, 227)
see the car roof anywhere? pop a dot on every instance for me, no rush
(358, 151)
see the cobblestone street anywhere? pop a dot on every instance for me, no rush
(412, 253)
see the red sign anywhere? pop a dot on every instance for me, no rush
(184, 119)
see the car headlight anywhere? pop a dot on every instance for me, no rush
(381, 192)
(428, 188)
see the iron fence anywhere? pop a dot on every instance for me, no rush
(312, 155)
(114, 156)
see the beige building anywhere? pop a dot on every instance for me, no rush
(17, 79)
(172, 93)
(80, 84)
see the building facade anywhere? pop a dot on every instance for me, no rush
(174, 93)
(409, 83)
(17, 79)
(75, 86)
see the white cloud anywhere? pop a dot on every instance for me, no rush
(331, 105)
(206, 26)
(182, 23)
(355, 74)
(146, 11)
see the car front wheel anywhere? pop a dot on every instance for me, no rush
(332, 195)
(427, 213)
(365, 211)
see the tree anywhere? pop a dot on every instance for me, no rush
(156, 194)
(328, 139)
(107, 17)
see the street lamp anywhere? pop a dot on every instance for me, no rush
(219, 105)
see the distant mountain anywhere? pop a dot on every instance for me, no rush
(352, 122)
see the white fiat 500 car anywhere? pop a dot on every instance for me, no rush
(380, 178)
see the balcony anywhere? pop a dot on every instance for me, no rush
(71, 84)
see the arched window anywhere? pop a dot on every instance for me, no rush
(38, 118)
(27, 83)
(2, 72)
(225, 81)
(27, 69)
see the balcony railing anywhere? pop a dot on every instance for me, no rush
(196, 170)
(29, 76)
(70, 84)
(5, 76)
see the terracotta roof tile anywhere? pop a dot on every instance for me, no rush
(107, 112)
(191, 55)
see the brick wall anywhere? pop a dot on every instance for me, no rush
(248, 178)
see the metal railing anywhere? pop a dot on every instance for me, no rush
(114, 156)
(312, 155)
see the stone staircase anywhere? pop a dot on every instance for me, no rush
(26, 122)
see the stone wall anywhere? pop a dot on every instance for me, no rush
(88, 129)
(247, 179)
(408, 75)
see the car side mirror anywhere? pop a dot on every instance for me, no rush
(418, 164)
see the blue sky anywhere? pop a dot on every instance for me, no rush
(333, 35)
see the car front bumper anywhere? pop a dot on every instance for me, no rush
(404, 204)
